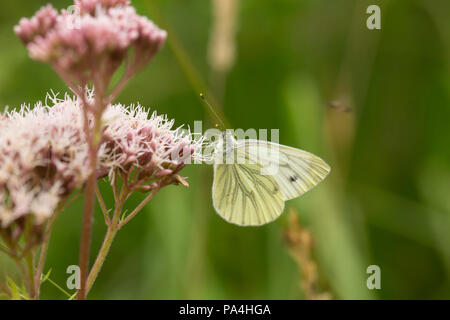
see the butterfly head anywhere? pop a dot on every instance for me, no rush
(225, 146)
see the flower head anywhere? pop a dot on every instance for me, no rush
(90, 6)
(38, 26)
(146, 146)
(44, 154)
(43, 157)
(89, 44)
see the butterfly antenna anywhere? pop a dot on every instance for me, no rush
(213, 111)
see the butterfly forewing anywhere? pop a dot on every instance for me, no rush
(295, 171)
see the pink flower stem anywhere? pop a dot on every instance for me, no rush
(102, 204)
(123, 81)
(69, 82)
(91, 185)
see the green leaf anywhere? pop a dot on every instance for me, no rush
(15, 291)
(46, 276)
(73, 296)
(59, 287)
(4, 296)
(124, 214)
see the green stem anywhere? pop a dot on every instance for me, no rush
(102, 204)
(113, 227)
(24, 275)
(43, 256)
(13, 251)
(138, 208)
(5, 250)
(104, 250)
(40, 268)
(59, 288)
(44, 248)
(30, 268)
(5, 289)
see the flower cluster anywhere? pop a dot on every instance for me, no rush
(48, 151)
(92, 41)
(145, 149)
(90, 6)
(44, 154)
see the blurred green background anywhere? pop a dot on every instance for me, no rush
(386, 201)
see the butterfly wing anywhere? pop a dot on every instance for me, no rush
(295, 171)
(244, 196)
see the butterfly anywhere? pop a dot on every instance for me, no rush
(254, 178)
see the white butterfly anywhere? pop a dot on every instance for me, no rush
(253, 178)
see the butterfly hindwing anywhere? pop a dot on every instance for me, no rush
(243, 196)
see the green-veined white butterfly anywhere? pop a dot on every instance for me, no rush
(247, 191)
(254, 178)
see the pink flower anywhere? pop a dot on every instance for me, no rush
(43, 21)
(90, 6)
(44, 154)
(146, 145)
(88, 45)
